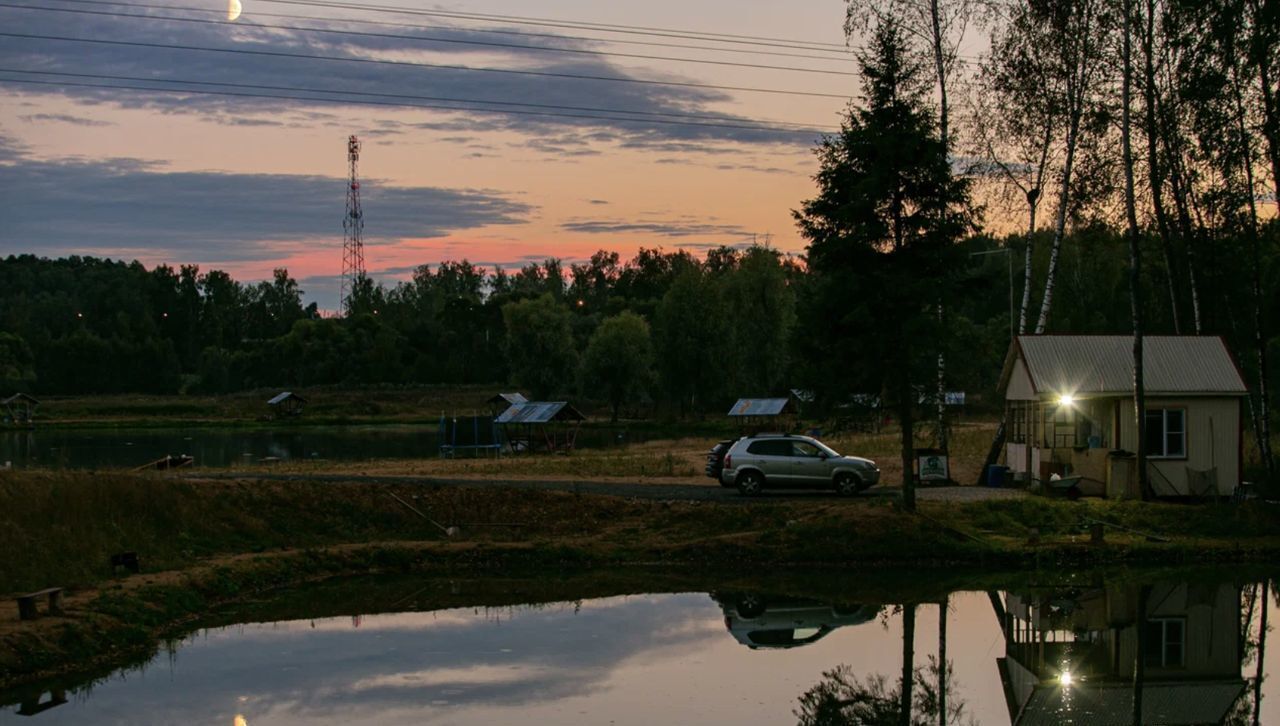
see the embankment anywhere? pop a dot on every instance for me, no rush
(204, 544)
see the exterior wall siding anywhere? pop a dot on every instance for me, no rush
(1213, 441)
(1020, 387)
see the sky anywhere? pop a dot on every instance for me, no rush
(253, 177)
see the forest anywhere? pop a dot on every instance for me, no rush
(1104, 166)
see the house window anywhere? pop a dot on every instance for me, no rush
(1018, 418)
(1166, 644)
(1167, 432)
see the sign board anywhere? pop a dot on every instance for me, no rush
(933, 467)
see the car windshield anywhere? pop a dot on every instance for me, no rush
(830, 451)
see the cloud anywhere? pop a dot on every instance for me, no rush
(104, 207)
(408, 667)
(64, 118)
(635, 117)
(682, 227)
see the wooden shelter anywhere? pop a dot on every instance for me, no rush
(20, 409)
(286, 405)
(1069, 408)
(554, 424)
(759, 414)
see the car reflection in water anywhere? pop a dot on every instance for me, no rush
(768, 621)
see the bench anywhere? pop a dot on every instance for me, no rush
(27, 603)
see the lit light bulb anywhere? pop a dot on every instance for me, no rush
(1066, 679)
(1066, 399)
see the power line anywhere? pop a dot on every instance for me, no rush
(369, 102)
(736, 122)
(496, 31)
(458, 41)
(601, 27)
(413, 64)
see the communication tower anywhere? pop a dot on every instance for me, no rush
(352, 228)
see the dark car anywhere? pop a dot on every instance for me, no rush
(715, 461)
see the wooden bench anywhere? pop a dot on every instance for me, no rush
(27, 603)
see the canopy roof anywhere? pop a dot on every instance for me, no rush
(532, 412)
(762, 407)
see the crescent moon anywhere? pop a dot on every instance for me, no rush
(233, 9)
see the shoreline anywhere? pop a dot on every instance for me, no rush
(206, 544)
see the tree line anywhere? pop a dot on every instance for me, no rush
(1132, 145)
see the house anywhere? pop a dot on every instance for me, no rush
(1069, 411)
(1070, 655)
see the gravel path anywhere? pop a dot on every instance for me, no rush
(641, 490)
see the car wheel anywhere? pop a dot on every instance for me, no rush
(847, 485)
(750, 483)
(750, 606)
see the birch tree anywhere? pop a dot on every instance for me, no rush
(1072, 33)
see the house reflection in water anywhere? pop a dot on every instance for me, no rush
(1070, 656)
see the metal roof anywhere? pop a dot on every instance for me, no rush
(282, 397)
(539, 412)
(508, 398)
(1093, 364)
(19, 397)
(761, 407)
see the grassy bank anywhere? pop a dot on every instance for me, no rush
(205, 543)
(67, 524)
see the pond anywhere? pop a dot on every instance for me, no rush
(1063, 654)
(91, 449)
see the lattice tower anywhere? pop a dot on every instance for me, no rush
(352, 229)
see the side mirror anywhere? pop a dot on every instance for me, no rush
(823, 455)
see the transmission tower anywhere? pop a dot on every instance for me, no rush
(352, 229)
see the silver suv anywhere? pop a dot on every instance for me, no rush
(756, 462)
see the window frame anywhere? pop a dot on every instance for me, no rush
(1163, 453)
(1164, 661)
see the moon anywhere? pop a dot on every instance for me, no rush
(233, 9)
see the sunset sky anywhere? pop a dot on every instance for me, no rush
(247, 183)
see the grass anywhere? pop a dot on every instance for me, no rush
(203, 543)
(65, 525)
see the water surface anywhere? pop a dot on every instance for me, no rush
(91, 449)
(742, 657)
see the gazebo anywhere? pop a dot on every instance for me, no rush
(20, 409)
(286, 404)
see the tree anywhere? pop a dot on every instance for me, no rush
(762, 312)
(539, 345)
(882, 234)
(619, 359)
(689, 331)
(17, 365)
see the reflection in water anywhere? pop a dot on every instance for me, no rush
(1167, 653)
(842, 698)
(773, 621)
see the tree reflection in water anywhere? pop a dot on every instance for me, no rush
(919, 698)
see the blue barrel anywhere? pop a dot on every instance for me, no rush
(996, 475)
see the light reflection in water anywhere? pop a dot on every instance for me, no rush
(1065, 656)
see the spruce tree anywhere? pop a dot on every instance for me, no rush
(882, 235)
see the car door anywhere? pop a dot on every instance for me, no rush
(773, 457)
(809, 464)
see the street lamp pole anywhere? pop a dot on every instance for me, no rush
(1008, 252)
